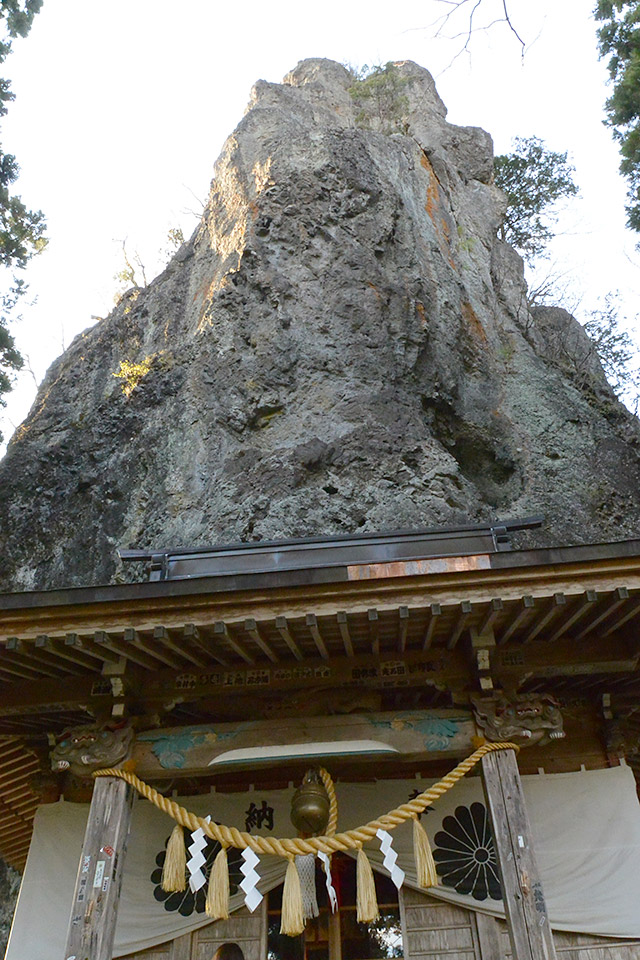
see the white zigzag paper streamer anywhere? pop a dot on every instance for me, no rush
(390, 857)
(252, 896)
(197, 859)
(331, 893)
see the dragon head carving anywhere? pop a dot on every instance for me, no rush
(527, 719)
(85, 749)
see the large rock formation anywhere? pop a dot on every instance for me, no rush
(9, 884)
(343, 345)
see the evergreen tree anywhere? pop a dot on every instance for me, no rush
(21, 229)
(619, 38)
(534, 180)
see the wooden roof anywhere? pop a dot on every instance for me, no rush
(563, 621)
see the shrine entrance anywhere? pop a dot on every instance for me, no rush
(339, 936)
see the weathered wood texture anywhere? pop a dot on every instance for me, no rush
(164, 951)
(148, 680)
(248, 930)
(144, 606)
(178, 949)
(489, 939)
(528, 922)
(432, 930)
(579, 946)
(95, 899)
(190, 751)
(435, 930)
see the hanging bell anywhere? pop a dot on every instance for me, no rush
(310, 805)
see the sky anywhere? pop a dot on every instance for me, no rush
(123, 106)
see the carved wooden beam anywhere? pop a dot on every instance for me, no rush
(203, 750)
(516, 662)
(149, 690)
(433, 668)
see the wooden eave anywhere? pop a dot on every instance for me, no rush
(325, 591)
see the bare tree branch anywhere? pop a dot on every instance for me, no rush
(507, 19)
(456, 5)
(29, 369)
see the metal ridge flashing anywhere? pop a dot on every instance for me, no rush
(577, 553)
(116, 593)
(525, 523)
(332, 551)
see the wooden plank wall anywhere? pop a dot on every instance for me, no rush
(164, 951)
(248, 930)
(433, 930)
(582, 946)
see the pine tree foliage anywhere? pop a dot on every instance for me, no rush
(619, 39)
(534, 180)
(21, 229)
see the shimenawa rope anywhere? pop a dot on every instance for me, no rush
(289, 847)
(349, 840)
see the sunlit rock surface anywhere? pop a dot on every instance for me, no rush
(343, 345)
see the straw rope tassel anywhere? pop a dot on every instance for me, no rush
(174, 878)
(425, 864)
(292, 921)
(217, 903)
(367, 902)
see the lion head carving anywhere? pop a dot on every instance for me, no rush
(85, 749)
(528, 719)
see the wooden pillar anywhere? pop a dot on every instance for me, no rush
(94, 911)
(527, 919)
(335, 936)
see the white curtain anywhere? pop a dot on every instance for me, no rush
(586, 829)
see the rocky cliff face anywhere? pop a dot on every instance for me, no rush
(343, 345)
(9, 884)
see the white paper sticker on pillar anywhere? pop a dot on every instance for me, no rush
(252, 896)
(390, 857)
(197, 859)
(97, 880)
(331, 893)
